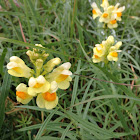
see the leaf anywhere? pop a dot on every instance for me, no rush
(4, 92)
(44, 124)
(65, 132)
(2, 60)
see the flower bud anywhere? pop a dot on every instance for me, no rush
(39, 63)
(52, 63)
(110, 40)
(35, 55)
(29, 53)
(45, 55)
(39, 45)
(118, 44)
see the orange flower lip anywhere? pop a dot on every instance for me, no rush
(94, 12)
(22, 95)
(96, 56)
(114, 54)
(105, 15)
(119, 14)
(49, 96)
(113, 21)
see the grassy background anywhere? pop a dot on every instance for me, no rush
(89, 109)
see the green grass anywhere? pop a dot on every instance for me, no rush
(89, 109)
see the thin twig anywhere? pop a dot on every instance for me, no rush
(135, 77)
(23, 36)
(107, 81)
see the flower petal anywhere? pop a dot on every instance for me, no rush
(64, 84)
(16, 59)
(26, 101)
(41, 79)
(53, 87)
(33, 91)
(40, 101)
(11, 65)
(66, 72)
(51, 105)
(66, 65)
(32, 82)
(21, 87)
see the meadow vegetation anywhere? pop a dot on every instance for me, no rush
(102, 102)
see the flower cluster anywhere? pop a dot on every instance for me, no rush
(106, 51)
(44, 81)
(110, 15)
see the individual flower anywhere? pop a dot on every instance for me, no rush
(61, 75)
(96, 11)
(99, 50)
(17, 67)
(113, 52)
(106, 51)
(97, 59)
(112, 24)
(107, 15)
(38, 85)
(118, 11)
(22, 94)
(48, 99)
(113, 56)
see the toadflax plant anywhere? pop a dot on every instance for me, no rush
(44, 80)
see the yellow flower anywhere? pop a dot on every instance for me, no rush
(104, 17)
(116, 47)
(105, 4)
(113, 52)
(61, 75)
(113, 56)
(17, 67)
(22, 94)
(48, 99)
(118, 12)
(107, 15)
(99, 50)
(109, 41)
(112, 24)
(96, 11)
(97, 59)
(38, 85)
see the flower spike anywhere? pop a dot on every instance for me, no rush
(111, 14)
(43, 81)
(106, 51)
